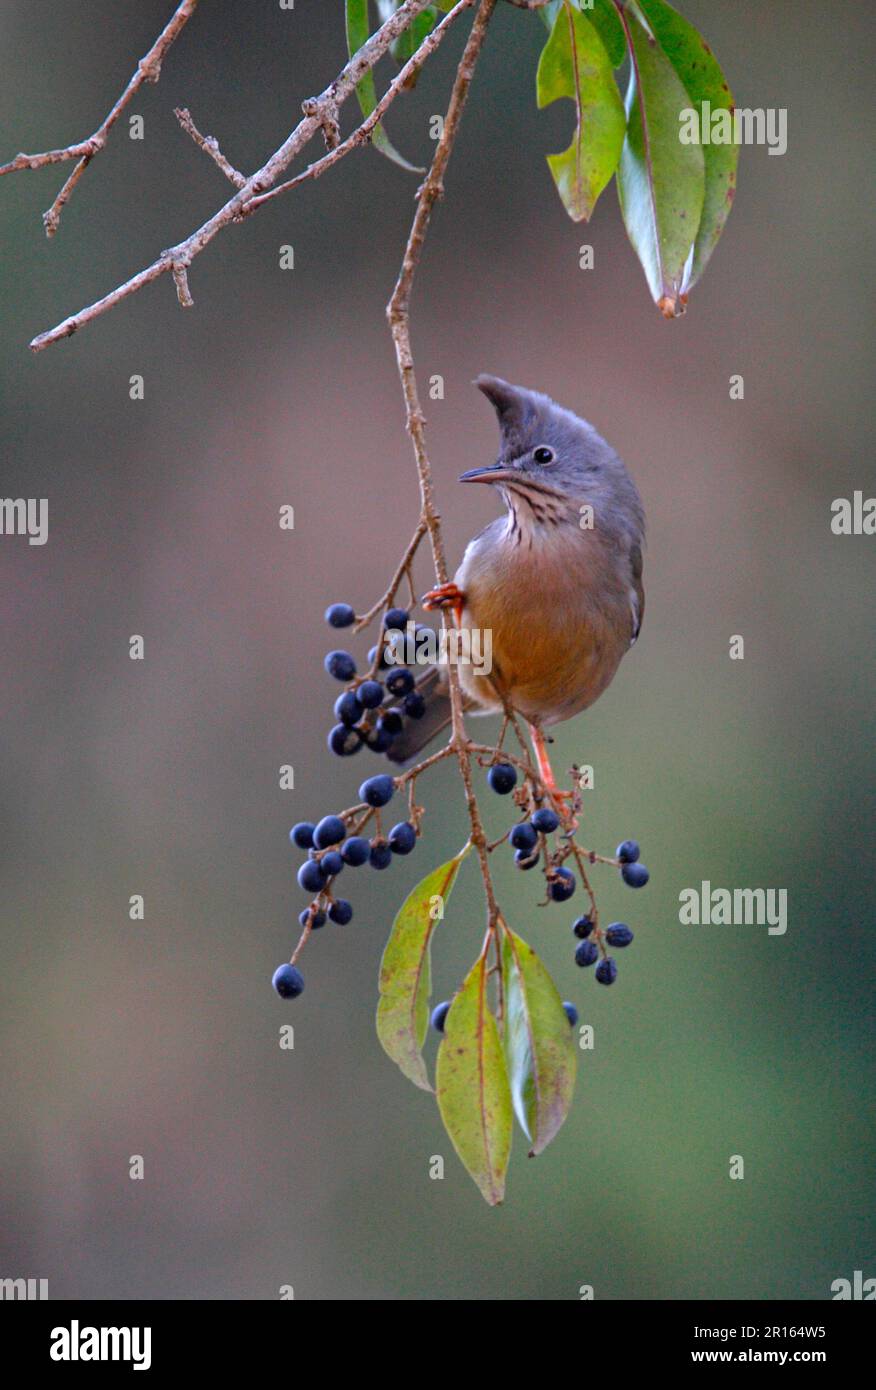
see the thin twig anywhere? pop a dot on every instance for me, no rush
(148, 70)
(402, 568)
(398, 313)
(185, 251)
(363, 133)
(210, 145)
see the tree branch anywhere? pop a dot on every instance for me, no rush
(398, 313)
(185, 251)
(363, 133)
(210, 145)
(148, 70)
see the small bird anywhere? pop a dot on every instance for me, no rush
(557, 581)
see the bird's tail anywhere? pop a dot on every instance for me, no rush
(432, 685)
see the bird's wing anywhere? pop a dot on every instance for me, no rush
(637, 591)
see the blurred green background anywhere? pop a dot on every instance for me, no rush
(310, 1168)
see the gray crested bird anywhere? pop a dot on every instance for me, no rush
(557, 581)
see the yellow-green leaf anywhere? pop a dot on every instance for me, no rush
(472, 1085)
(703, 81)
(405, 971)
(660, 181)
(604, 18)
(574, 64)
(358, 32)
(539, 1044)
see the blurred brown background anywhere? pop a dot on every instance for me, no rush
(159, 1038)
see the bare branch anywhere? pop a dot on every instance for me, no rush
(210, 145)
(181, 280)
(401, 82)
(148, 70)
(398, 313)
(185, 251)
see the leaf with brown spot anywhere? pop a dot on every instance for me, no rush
(471, 1081)
(574, 64)
(405, 973)
(703, 80)
(660, 180)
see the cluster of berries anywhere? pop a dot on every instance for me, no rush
(617, 935)
(527, 839)
(373, 708)
(329, 850)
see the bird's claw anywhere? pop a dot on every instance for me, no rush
(445, 596)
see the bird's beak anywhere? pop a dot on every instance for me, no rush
(492, 473)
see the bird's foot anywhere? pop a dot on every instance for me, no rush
(567, 813)
(445, 596)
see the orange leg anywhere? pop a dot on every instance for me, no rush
(445, 596)
(545, 771)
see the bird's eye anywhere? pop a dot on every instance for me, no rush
(543, 454)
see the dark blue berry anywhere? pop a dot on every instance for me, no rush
(288, 982)
(526, 859)
(502, 778)
(545, 820)
(571, 1013)
(562, 885)
(372, 656)
(311, 876)
(355, 851)
(618, 934)
(318, 918)
(523, 836)
(340, 665)
(391, 722)
(395, 618)
(348, 708)
(400, 681)
(332, 863)
(380, 856)
(415, 705)
(634, 875)
(583, 927)
(344, 741)
(330, 831)
(439, 1016)
(370, 694)
(606, 971)
(340, 615)
(586, 953)
(627, 852)
(302, 834)
(341, 912)
(402, 838)
(377, 791)
(378, 740)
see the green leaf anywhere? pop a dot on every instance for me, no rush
(604, 18)
(358, 31)
(539, 1044)
(703, 80)
(406, 44)
(574, 64)
(660, 181)
(405, 972)
(472, 1085)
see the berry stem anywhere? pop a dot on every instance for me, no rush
(403, 568)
